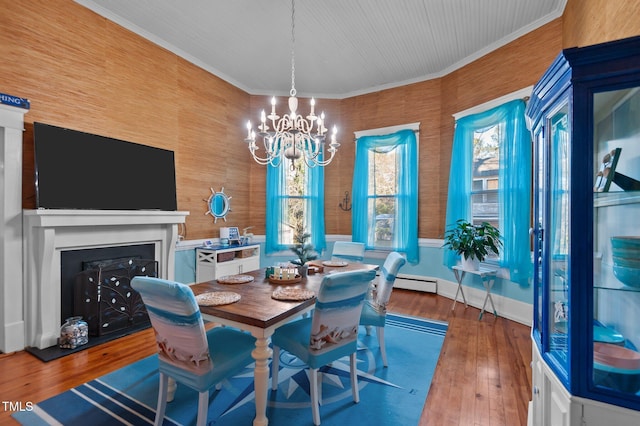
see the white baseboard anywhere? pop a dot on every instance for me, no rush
(508, 308)
(416, 282)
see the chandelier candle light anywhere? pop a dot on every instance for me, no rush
(293, 135)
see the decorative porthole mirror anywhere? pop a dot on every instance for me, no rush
(218, 205)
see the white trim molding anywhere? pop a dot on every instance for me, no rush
(387, 130)
(518, 94)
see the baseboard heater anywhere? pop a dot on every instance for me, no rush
(416, 282)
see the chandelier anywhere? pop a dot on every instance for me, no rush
(293, 136)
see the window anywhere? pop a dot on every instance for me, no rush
(382, 197)
(484, 175)
(294, 194)
(385, 192)
(490, 180)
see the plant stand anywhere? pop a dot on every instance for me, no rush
(488, 277)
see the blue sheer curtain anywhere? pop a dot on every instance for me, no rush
(315, 207)
(514, 192)
(276, 208)
(406, 216)
(277, 202)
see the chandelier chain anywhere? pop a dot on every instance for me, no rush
(293, 45)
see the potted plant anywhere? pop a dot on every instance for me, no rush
(473, 242)
(305, 252)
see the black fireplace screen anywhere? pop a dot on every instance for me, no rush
(104, 298)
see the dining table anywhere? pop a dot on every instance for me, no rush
(259, 313)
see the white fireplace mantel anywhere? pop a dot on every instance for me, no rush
(47, 233)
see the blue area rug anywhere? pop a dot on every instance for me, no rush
(389, 396)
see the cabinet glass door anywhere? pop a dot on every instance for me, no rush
(557, 236)
(540, 166)
(616, 272)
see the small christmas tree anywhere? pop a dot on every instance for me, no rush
(301, 247)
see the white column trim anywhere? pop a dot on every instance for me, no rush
(11, 297)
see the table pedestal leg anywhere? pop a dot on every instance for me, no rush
(261, 354)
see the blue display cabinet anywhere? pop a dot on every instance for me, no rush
(584, 116)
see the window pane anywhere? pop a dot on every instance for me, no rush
(295, 204)
(383, 211)
(296, 179)
(382, 201)
(382, 173)
(486, 163)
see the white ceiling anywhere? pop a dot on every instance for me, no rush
(343, 48)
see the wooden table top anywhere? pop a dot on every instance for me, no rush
(256, 307)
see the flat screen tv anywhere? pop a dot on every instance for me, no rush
(77, 170)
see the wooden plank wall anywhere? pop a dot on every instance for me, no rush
(589, 22)
(81, 71)
(84, 72)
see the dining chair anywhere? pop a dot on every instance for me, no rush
(348, 250)
(374, 311)
(188, 353)
(329, 334)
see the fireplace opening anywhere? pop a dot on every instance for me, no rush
(104, 298)
(74, 262)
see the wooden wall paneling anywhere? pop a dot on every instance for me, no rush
(589, 22)
(209, 148)
(47, 58)
(449, 102)
(423, 105)
(141, 102)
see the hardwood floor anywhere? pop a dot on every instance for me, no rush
(483, 375)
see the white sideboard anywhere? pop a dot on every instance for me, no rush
(215, 262)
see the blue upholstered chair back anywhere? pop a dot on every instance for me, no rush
(348, 250)
(177, 322)
(387, 278)
(337, 310)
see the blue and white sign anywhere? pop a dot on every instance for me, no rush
(14, 101)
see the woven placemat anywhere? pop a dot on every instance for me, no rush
(215, 298)
(235, 279)
(292, 294)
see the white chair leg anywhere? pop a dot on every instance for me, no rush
(313, 383)
(354, 377)
(319, 387)
(203, 408)
(383, 350)
(275, 366)
(368, 329)
(171, 389)
(162, 399)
